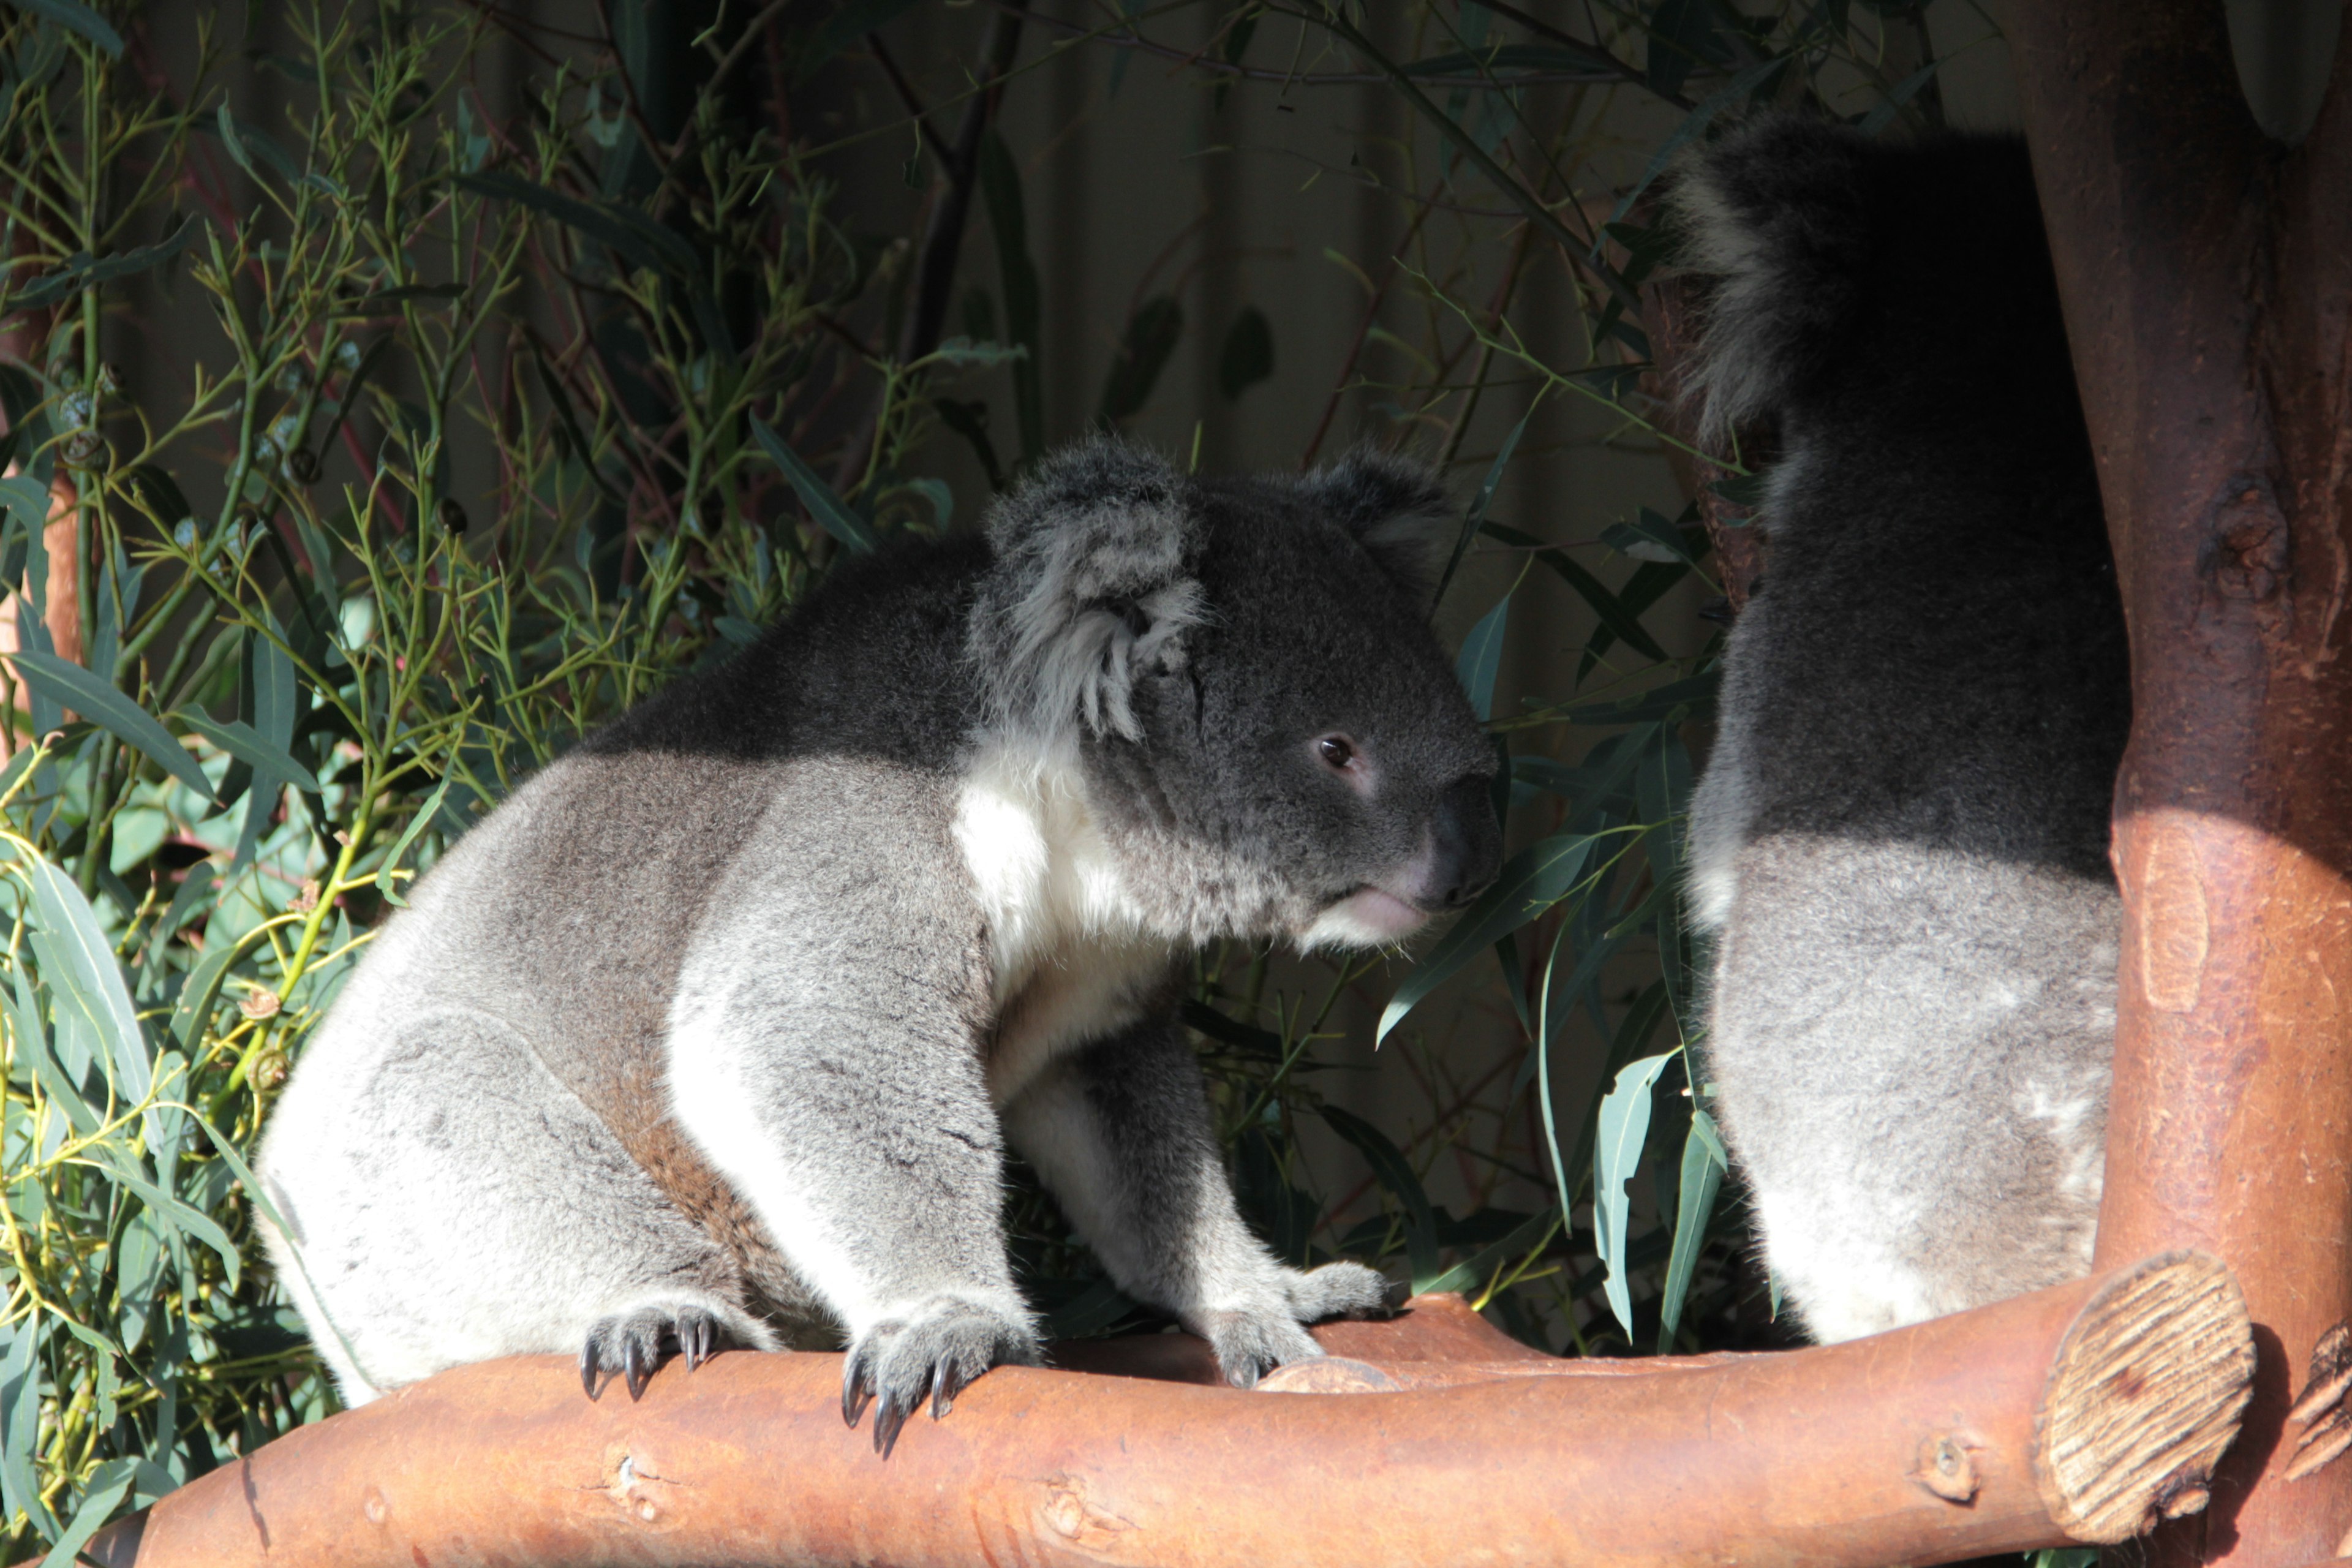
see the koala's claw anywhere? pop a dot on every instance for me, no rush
(632, 1344)
(940, 1348)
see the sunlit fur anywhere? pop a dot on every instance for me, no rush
(1900, 840)
(730, 1013)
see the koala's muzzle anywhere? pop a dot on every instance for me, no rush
(1466, 848)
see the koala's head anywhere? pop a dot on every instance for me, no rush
(1273, 741)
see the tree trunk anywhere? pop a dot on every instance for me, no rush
(2207, 276)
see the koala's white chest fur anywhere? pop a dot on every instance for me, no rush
(1073, 955)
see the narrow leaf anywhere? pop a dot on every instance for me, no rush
(1482, 658)
(1702, 1173)
(1395, 1173)
(1475, 518)
(416, 825)
(71, 686)
(77, 17)
(1625, 1124)
(1531, 882)
(831, 513)
(1591, 589)
(247, 745)
(91, 976)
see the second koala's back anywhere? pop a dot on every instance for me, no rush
(1901, 838)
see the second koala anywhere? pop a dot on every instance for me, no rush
(1901, 838)
(722, 1023)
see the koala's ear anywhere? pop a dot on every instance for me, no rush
(1092, 586)
(1778, 213)
(1397, 508)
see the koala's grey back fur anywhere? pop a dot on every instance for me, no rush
(1901, 836)
(716, 1030)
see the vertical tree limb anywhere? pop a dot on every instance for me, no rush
(2207, 276)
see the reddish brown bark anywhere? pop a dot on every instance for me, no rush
(2207, 276)
(1667, 309)
(2094, 1403)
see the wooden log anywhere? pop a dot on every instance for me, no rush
(2079, 1413)
(2207, 278)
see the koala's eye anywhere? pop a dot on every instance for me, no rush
(1336, 750)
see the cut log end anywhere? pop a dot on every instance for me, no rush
(2146, 1391)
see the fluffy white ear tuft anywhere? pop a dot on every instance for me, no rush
(1397, 508)
(1092, 587)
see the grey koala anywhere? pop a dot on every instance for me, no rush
(1901, 838)
(717, 1029)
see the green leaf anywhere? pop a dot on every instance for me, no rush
(1624, 1122)
(1905, 91)
(247, 745)
(1702, 1173)
(1591, 589)
(845, 28)
(1682, 34)
(1482, 658)
(1692, 698)
(1395, 1173)
(1089, 1312)
(168, 1209)
(82, 272)
(1552, 59)
(638, 239)
(1144, 349)
(75, 18)
(71, 686)
(20, 1413)
(1000, 188)
(1475, 518)
(1649, 537)
(202, 989)
(89, 973)
(1529, 1235)
(1532, 881)
(831, 513)
(416, 825)
(1247, 356)
(965, 351)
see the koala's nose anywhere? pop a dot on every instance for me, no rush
(1468, 843)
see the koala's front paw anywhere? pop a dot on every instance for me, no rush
(1251, 1341)
(940, 1345)
(1339, 1290)
(635, 1343)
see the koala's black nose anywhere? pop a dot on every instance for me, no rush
(1469, 843)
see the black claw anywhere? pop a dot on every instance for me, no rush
(853, 1391)
(588, 1370)
(945, 1385)
(633, 1367)
(691, 1327)
(888, 1416)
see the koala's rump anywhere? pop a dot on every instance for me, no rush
(1911, 1048)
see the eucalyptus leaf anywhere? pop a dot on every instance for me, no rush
(90, 974)
(831, 513)
(1530, 882)
(1482, 658)
(70, 686)
(1703, 1171)
(77, 17)
(1624, 1129)
(241, 741)
(1395, 1173)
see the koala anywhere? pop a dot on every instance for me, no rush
(1900, 838)
(716, 1033)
